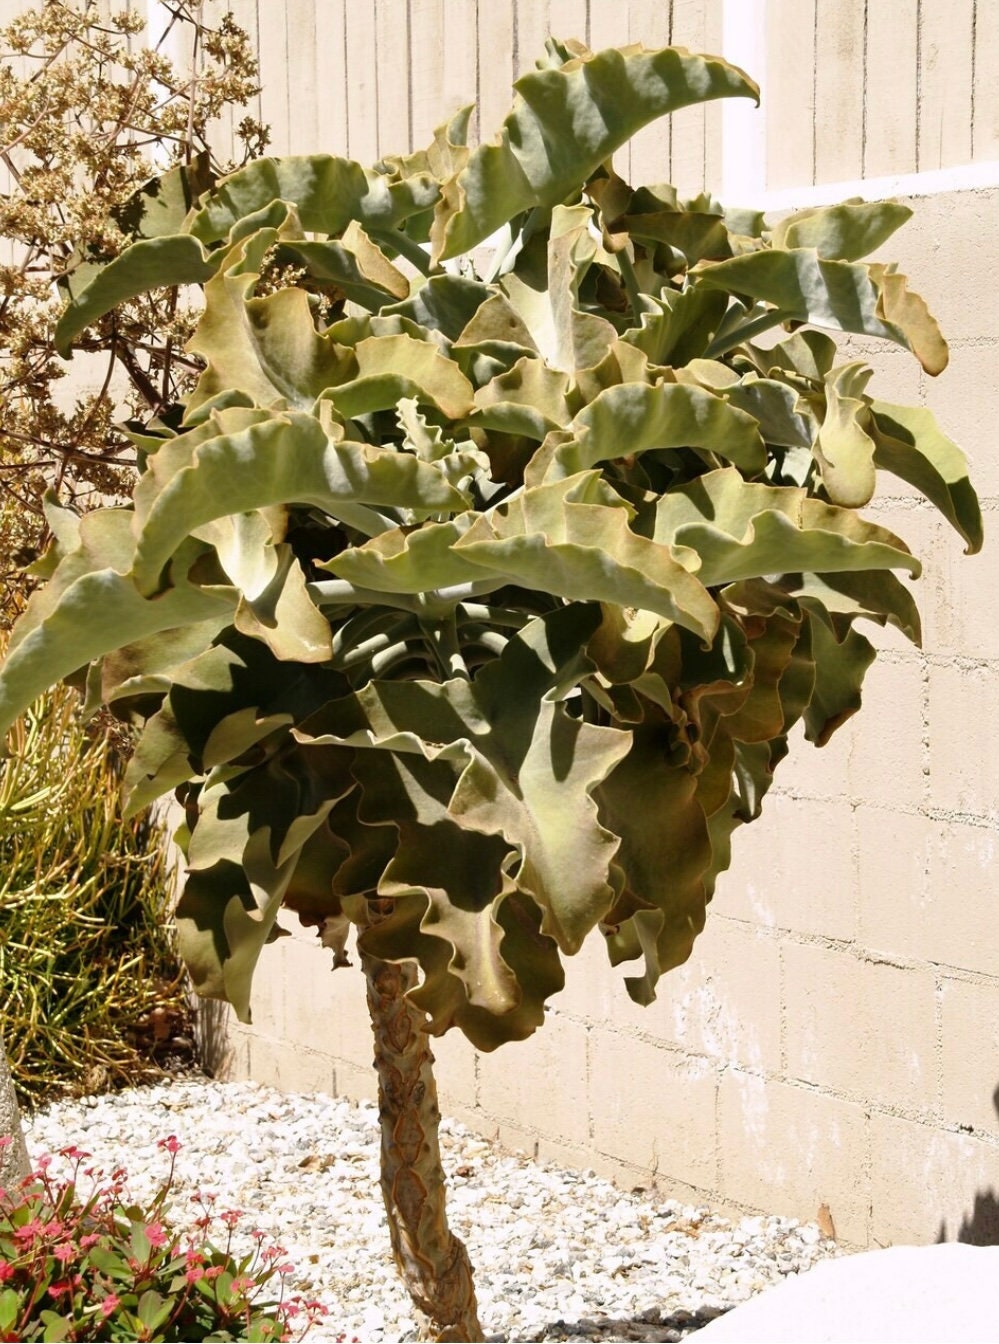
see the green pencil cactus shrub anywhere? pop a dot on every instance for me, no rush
(470, 598)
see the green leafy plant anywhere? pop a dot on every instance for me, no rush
(93, 992)
(90, 104)
(80, 1260)
(473, 593)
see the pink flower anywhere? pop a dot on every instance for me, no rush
(44, 1163)
(6, 1140)
(286, 1268)
(194, 1274)
(29, 1231)
(111, 1303)
(74, 1153)
(170, 1144)
(155, 1234)
(231, 1217)
(6, 1271)
(214, 1272)
(89, 1239)
(64, 1251)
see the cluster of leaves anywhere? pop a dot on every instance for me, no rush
(87, 111)
(80, 1260)
(472, 595)
(94, 995)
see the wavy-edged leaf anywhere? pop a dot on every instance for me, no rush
(91, 606)
(149, 264)
(404, 561)
(847, 231)
(390, 368)
(327, 192)
(267, 348)
(565, 538)
(910, 444)
(564, 124)
(841, 295)
(840, 664)
(742, 530)
(843, 448)
(527, 768)
(634, 418)
(286, 459)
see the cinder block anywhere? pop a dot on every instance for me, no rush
(964, 739)
(962, 913)
(896, 911)
(652, 1109)
(864, 1029)
(292, 1068)
(354, 1082)
(787, 1149)
(970, 1035)
(963, 617)
(725, 1002)
(927, 1183)
(888, 754)
(966, 404)
(454, 1069)
(952, 225)
(817, 772)
(540, 1083)
(594, 989)
(813, 866)
(747, 890)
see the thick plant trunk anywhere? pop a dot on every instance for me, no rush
(433, 1263)
(14, 1164)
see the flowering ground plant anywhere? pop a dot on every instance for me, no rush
(80, 1260)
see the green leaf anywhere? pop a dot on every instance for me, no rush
(844, 296)
(149, 264)
(286, 459)
(268, 348)
(843, 448)
(844, 232)
(633, 418)
(92, 606)
(390, 368)
(564, 124)
(741, 530)
(565, 538)
(910, 444)
(327, 192)
(840, 665)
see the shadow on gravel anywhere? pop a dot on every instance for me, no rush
(648, 1326)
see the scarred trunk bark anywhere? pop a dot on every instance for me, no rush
(433, 1263)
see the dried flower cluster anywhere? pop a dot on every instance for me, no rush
(91, 105)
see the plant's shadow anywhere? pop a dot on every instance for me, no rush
(648, 1326)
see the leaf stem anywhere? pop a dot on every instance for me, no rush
(631, 285)
(407, 248)
(727, 341)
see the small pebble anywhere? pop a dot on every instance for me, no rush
(558, 1255)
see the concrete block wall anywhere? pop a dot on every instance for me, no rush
(835, 1037)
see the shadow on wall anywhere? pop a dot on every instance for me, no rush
(981, 1228)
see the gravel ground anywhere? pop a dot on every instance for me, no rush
(558, 1255)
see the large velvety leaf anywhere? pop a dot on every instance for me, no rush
(564, 538)
(527, 769)
(633, 418)
(287, 459)
(91, 606)
(742, 530)
(268, 348)
(842, 295)
(148, 264)
(327, 192)
(565, 122)
(844, 449)
(910, 444)
(844, 232)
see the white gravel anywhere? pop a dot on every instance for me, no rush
(558, 1255)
